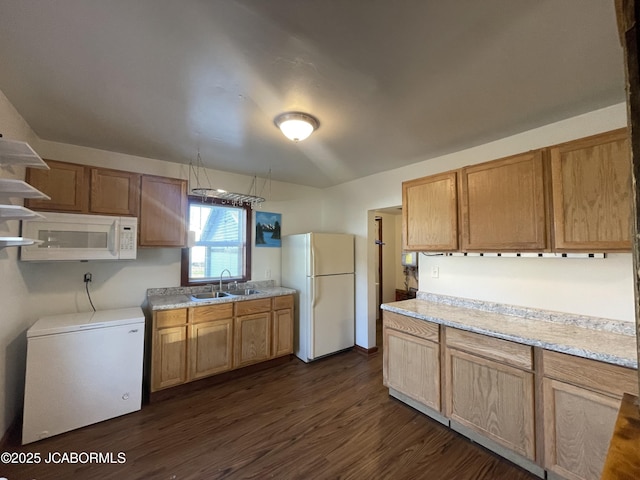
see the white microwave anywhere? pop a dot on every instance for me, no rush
(72, 236)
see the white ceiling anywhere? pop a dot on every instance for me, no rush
(392, 82)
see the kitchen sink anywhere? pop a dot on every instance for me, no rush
(244, 291)
(209, 295)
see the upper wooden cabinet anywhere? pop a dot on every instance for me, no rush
(430, 213)
(503, 204)
(591, 181)
(160, 203)
(78, 188)
(114, 192)
(66, 183)
(163, 212)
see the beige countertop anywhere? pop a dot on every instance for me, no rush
(605, 340)
(180, 297)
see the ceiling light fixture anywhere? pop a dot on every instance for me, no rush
(296, 126)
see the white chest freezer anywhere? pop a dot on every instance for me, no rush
(82, 368)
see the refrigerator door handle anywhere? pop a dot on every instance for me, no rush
(312, 259)
(314, 299)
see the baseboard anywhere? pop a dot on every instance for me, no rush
(366, 351)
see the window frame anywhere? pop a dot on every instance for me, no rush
(185, 257)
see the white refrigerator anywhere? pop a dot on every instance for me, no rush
(320, 266)
(82, 368)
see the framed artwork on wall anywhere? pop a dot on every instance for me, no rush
(268, 229)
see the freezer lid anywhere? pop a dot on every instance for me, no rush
(72, 322)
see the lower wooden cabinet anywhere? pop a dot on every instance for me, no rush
(282, 326)
(549, 412)
(412, 360)
(252, 339)
(210, 340)
(491, 398)
(169, 360)
(193, 343)
(581, 402)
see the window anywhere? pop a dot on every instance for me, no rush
(222, 241)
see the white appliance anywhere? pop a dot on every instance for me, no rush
(82, 368)
(74, 236)
(321, 267)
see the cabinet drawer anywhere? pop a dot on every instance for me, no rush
(207, 313)
(170, 318)
(493, 348)
(249, 307)
(603, 377)
(282, 302)
(419, 328)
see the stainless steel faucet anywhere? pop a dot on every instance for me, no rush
(221, 274)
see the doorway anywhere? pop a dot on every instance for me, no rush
(379, 280)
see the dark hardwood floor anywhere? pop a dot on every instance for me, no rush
(329, 419)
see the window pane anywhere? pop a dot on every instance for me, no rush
(220, 241)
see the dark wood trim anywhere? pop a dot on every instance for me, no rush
(179, 391)
(184, 257)
(365, 351)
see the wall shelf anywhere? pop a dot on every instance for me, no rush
(17, 212)
(16, 241)
(10, 187)
(14, 152)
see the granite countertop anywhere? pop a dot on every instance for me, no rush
(179, 297)
(600, 339)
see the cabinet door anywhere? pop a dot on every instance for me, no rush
(163, 210)
(430, 213)
(503, 205)
(412, 367)
(591, 180)
(65, 183)
(282, 333)
(578, 425)
(492, 399)
(210, 348)
(114, 192)
(252, 335)
(169, 365)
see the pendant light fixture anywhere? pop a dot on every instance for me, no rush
(296, 126)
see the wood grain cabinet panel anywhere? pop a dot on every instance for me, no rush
(169, 365)
(591, 181)
(503, 205)
(412, 367)
(493, 399)
(65, 183)
(114, 192)
(252, 339)
(430, 213)
(581, 402)
(578, 427)
(282, 332)
(163, 212)
(210, 348)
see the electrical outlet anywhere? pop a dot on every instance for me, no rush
(87, 277)
(435, 272)
(267, 273)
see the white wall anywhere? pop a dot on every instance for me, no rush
(31, 290)
(592, 287)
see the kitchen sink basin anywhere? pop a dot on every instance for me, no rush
(244, 291)
(209, 295)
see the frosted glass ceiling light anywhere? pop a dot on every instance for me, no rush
(296, 126)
